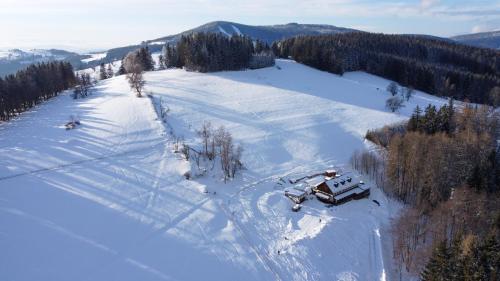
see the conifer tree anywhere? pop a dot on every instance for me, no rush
(109, 71)
(33, 85)
(121, 69)
(437, 267)
(102, 72)
(161, 62)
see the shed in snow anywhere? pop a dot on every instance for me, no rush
(296, 195)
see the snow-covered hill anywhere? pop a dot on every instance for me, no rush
(266, 33)
(483, 39)
(108, 200)
(15, 59)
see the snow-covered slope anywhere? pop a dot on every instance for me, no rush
(107, 201)
(484, 39)
(16, 59)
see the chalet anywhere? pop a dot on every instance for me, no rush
(340, 189)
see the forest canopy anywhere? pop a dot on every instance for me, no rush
(444, 164)
(29, 87)
(438, 67)
(207, 52)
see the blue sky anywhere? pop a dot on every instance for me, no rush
(94, 24)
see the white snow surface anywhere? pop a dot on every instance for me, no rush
(223, 31)
(28, 55)
(95, 56)
(237, 30)
(107, 200)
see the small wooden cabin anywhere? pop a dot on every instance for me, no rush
(297, 196)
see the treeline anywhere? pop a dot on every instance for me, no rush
(33, 85)
(444, 164)
(442, 150)
(208, 52)
(435, 66)
(465, 259)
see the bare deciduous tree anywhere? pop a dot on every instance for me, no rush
(136, 80)
(408, 93)
(394, 103)
(134, 68)
(393, 88)
(205, 134)
(84, 85)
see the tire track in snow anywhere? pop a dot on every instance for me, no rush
(78, 162)
(375, 262)
(124, 255)
(153, 193)
(264, 258)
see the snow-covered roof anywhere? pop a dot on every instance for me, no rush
(356, 190)
(315, 181)
(294, 192)
(342, 183)
(302, 187)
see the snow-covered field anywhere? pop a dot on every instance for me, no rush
(95, 56)
(107, 201)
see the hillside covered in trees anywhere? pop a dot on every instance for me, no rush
(434, 66)
(29, 87)
(444, 164)
(207, 52)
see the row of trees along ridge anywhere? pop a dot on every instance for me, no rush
(434, 66)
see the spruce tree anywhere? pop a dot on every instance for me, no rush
(109, 71)
(161, 62)
(121, 69)
(437, 269)
(102, 72)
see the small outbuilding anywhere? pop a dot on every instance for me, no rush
(296, 195)
(330, 173)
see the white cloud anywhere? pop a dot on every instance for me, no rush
(478, 28)
(425, 4)
(78, 20)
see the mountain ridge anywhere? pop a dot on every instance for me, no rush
(489, 39)
(267, 33)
